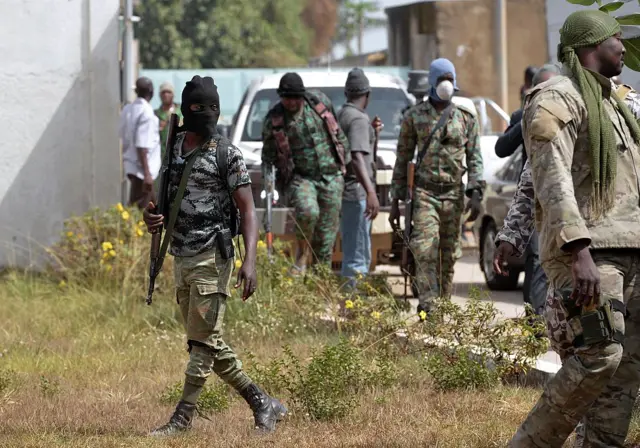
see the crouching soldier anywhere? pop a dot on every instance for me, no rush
(204, 210)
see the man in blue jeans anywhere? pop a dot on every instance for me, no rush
(359, 201)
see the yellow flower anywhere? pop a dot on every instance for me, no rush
(121, 242)
(140, 223)
(112, 253)
(119, 207)
(261, 244)
(125, 215)
(105, 255)
(62, 284)
(108, 268)
(106, 246)
(69, 234)
(139, 231)
(423, 315)
(348, 304)
(238, 264)
(376, 315)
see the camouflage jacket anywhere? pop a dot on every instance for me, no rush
(312, 148)
(519, 223)
(207, 199)
(556, 138)
(444, 161)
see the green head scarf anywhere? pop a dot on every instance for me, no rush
(584, 29)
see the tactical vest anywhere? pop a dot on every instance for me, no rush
(284, 161)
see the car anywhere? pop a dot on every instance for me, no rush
(389, 99)
(502, 184)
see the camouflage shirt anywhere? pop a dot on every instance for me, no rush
(312, 149)
(206, 205)
(557, 141)
(519, 223)
(444, 161)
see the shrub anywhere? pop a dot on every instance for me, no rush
(214, 397)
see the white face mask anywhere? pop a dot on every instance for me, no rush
(444, 90)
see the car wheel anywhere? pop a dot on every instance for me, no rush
(487, 251)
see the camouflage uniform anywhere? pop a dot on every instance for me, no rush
(597, 381)
(316, 188)
(438, 199)
(202, 276)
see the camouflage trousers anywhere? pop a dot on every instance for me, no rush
(598, 382)
(435, 244)
(202, 288)
(317, 205)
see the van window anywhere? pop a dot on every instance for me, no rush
(387, 103)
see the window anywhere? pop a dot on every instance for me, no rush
(387, 103)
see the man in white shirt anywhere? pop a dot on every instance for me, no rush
(140, 134)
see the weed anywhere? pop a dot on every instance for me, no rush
(213, 399)
(49, 387)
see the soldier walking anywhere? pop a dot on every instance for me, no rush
(446, 136)
(302, 140)
(202, 246)
(581, 139)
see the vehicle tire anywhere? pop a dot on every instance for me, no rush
(494, 281)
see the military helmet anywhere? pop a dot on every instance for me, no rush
(418, 84)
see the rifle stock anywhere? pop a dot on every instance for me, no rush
(156, 259)
(408, 218)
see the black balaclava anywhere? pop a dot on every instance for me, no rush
(201, 91)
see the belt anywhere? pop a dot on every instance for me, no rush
(440, 187)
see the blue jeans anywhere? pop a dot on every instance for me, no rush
(355, 232)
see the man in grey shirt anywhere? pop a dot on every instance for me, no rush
(359, 202)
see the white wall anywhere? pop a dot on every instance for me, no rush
(559, 10)
(59, 106)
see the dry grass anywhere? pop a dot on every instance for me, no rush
(90, 370)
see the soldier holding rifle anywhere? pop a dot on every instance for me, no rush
(206, 178)
(446, 136)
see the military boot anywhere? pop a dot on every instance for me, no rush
(267, 411)
(179, 422)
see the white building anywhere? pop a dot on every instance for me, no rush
(59, 107)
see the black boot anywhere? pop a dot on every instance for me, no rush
(267, 411)
(179, 422)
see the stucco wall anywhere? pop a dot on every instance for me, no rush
(59, 106)
(466, 35)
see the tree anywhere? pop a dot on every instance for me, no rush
(322, 17)
(354, 20)
(221, 34)
(630, 24)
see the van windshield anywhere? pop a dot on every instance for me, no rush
(386, 103)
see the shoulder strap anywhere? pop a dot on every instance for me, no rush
(175, 206)
(327, 115)
(446, 114)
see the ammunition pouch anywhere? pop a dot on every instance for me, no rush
(597, 325)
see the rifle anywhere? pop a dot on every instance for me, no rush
(269, 214)
(407, 258)
(162, 207)
(375, 157)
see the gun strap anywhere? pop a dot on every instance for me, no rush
(446, 113)
(175, 205)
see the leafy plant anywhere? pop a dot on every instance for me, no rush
(214, 397)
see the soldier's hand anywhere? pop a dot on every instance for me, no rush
(377, 124)
(154, 222)
(503, 252)
(394, 216)
(474, 206)
(586, 277)
(247, 275)
(373, 206)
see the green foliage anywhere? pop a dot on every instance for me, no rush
(327, 387)
(49, 387)
(7, 380)
(213, 399)
(354, 19)
(221, 34)
(460, 369)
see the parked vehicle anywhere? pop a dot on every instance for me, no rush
(389, 98)
(501, 186)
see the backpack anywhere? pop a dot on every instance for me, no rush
(222, 159)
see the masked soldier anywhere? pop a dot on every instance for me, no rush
(202, 246)
(304, 142)
(446, 136)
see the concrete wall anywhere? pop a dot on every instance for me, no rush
(467, 35)
(59, 108)
(557, 12)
